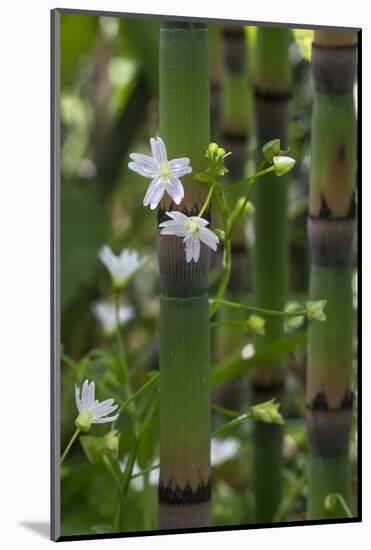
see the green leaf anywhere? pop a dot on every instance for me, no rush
(83, 231)
(149, 436)
(203, 177)
(233, 365)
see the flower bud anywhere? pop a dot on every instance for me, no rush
(256, 324)
(315, 310)
(249, 207)
(330, 502)
(267, 412)
(111, 443)
(84, 420)
(221, 152)
(283, 165)
(212, 150)
(271, 149)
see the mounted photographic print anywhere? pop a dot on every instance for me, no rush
(204, 277)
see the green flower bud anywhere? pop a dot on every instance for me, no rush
(267, 412)
(315, 310)
(221, 152)
(220, 233)
(271, 149)
(212, 150)
(249, 207)
(256, 324)
(84, 421)
(111, 443)
(330, 502)
(283, 165)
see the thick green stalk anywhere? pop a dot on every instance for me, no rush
(235, 110)
(272, 101)
(185, 418)
(235, 107)
(330, 230)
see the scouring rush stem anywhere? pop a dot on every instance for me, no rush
(272, 83)
(185, 356)
(329, 394)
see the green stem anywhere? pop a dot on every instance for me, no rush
(154, 379)
(223, 410)
(145, 471)
(250, 179)
(118, 519)
(69, 445)
(208, 199)
(232, 424)
(343, 504)
(126, 377)
(261, 310)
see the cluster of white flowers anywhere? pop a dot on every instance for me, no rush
(165, 176)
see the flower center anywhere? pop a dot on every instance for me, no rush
(84, 420)
(193, 228)
(165, 170)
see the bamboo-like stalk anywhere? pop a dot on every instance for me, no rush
(235, 107)
(330, 230)
(272, 102)
(185, 417)
(234, 125)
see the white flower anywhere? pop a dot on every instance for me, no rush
(223, 449)
(90, 410)
(121, 267)
(194, 231)
(164, 173)
(247, 352)
(105, 313)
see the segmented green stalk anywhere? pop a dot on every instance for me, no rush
(234, 125)
(330, 230)
(272, 96)
(185, 423)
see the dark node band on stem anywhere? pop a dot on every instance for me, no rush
(329, 430)
(272, 95)
(177, 496)
(234, 49)
(334, 68)
(319, 402)
(261, 392)
(330, 240)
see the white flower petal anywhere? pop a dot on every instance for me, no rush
(180, 167)
(107, 257)
(142, 170)
(209, 238)
(91, 395)
(77, 398)
(176, 230)
(103, 420)
(156, 189)
(196, 250)
(175, 189)
(189, 249)
(144, 160)
(176, 215)
(99, 413)
(158, 149)
(201, 221)
(84, 394)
